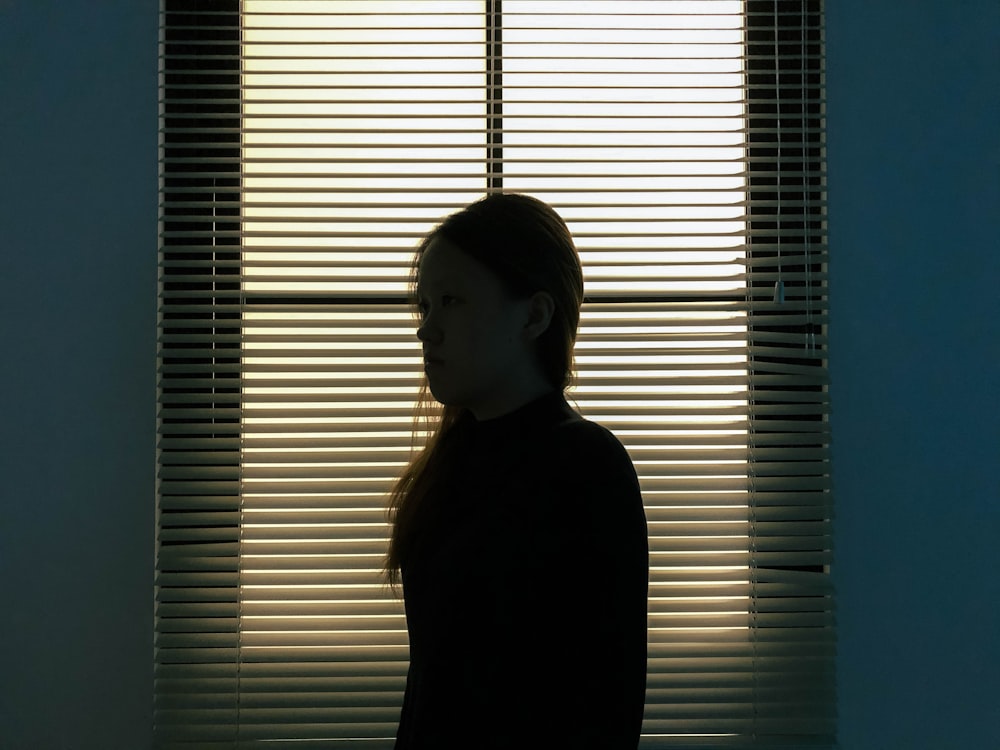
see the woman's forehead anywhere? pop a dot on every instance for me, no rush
(434, 263)
(442, 262)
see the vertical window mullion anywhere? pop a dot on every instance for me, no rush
(494, 95)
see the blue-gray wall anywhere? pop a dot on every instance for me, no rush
(78, 192)
(914, 160)
(914, 184)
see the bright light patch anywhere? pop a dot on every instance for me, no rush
(366, 122)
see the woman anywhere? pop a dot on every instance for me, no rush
(518, 532)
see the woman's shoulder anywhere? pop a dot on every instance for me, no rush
(587, 447)
(596, 474)
(577, 432)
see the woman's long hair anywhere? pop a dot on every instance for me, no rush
(529, 248)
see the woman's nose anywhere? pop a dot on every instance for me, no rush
(428, 332)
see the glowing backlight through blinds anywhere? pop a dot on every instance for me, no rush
(364, 123)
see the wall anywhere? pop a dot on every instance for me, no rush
(78, 181)
(914, 185)
(914, 175)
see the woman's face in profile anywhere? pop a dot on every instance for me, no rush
(472, 330)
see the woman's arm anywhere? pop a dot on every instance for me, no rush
(570, 669)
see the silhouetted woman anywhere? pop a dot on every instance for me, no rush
(518, 532)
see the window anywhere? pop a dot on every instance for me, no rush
(306, 146)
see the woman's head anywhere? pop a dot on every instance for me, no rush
(499, 286)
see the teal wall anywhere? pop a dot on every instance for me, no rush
(914, 185)
(78, 192)
(914, 165)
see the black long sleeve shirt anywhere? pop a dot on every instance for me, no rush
(526, 601)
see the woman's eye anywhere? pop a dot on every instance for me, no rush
(445, 300)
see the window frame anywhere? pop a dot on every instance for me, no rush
(200, 318)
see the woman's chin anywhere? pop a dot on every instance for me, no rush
(442, 393)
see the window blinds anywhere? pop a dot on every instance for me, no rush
(306, 147)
